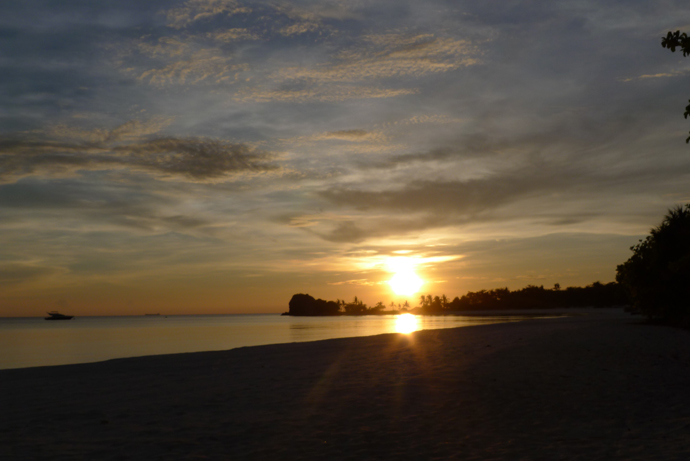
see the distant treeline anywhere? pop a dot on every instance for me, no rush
(534, 297)
(303, 304)
(530, 297)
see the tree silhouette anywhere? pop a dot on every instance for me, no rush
(680, 40)
(657, 275)
(356, 307)
(304, 304)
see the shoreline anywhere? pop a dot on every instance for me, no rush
(486, 312)
(31, 343)
(588, 387)
(518, 312)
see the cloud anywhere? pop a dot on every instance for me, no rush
(197, 159)
(199, 10)
(189, 54)
(309, 20)
(299, 29)
(534, 193)
(462, 198)
(674, 73)
(193, 54)
(343, 228)
(194, 11)
(233, 35)
(356, 229)
(324, 94)
(206, 65)
(373, 58)
(128, 131)
(20, 158)
(190, 159)
(163, 47)
(306, 220)
(426, 118)
(345, 232)
(102, 205)
(188, 58)
(348, 136)
(357, 282)
(432, 204)
(387, 56)
(404, 159)
(351, 135)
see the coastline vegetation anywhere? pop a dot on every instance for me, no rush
(530, 297)
(656, 278)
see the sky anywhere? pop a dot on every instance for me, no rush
(219, 156)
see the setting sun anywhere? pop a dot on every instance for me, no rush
(405, 281)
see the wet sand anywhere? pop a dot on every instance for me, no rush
(589, 387)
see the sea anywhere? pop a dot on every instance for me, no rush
(33, 342)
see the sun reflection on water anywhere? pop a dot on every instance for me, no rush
(406, 323)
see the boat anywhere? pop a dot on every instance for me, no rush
(55, 315)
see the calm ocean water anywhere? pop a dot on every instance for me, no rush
(30, 342)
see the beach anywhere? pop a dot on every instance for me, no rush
(597, 386)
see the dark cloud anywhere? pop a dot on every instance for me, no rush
(19, 164)
(569, 132)
(499, 197)
(193, 159)
(345, 232)
(352, 232)
(196, 158)
(443, 197)
(405, 159)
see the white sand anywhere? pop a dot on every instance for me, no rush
(592, 387)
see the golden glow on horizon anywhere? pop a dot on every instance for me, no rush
(405, 282)
(406, 323)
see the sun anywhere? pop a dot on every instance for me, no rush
(405, 282)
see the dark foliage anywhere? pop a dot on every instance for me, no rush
(679, 40)
(537, 297)
(675, 40)
(657, 275)
(530, 297)
(302, 304)
(433, 304)
(356, 307)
